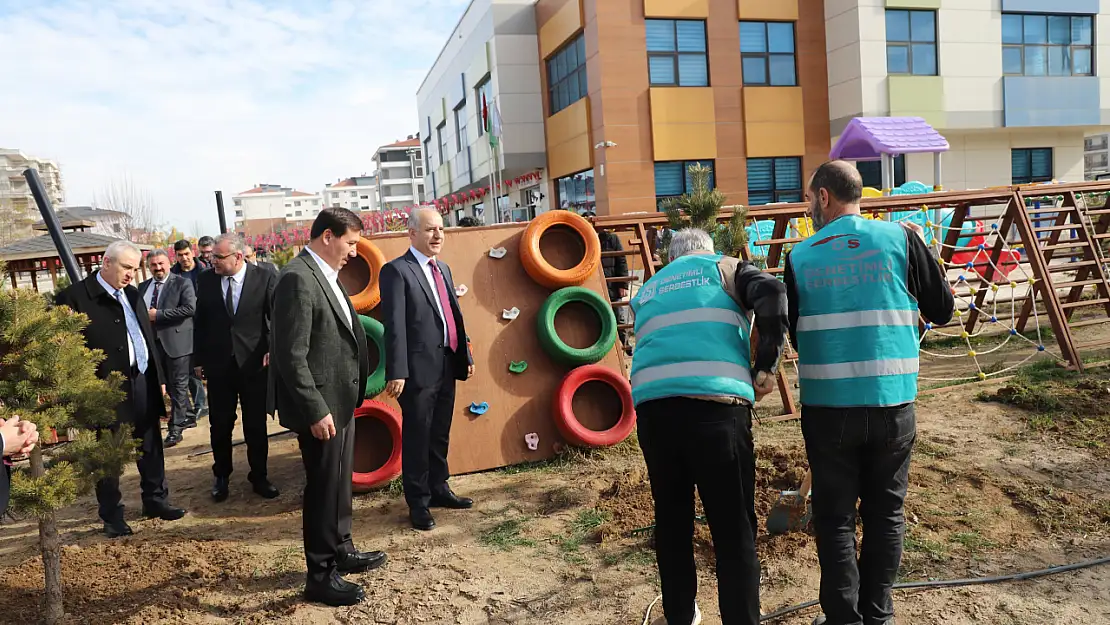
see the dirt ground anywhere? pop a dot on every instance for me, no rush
(994, 490)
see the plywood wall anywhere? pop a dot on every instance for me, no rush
(519, 404)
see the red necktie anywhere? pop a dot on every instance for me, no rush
(445, 302)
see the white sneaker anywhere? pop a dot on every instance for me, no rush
(662, 620)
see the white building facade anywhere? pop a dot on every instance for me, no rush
(271, 208)
(400, 174)
(17, 206)
(358, 193)
(1014, 85)
(492, 52)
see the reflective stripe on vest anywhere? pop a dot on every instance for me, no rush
(696, 315)
(705, 368)
(857, 319)
(862, 369)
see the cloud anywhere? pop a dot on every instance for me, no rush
(190, 96)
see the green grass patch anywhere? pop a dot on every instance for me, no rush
(974, 542)
(506, 535)
(930, 549)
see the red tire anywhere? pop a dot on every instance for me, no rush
(370, 450)
(572, 430)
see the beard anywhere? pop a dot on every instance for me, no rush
(816, 215)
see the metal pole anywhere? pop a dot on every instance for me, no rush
(888, 173)
(220, 211)
(52, 225)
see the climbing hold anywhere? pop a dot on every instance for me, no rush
(982, 247)
(994, 287)
(971, 354)
(461, 290)
(928, 224)
(959, 313)
(971, 306)
(1032, 280)
(982, 376)
(532, 440)
(510, 313)
(994, 319)
(928, 325)
(479, 409)
(1013, 285)
(518, 366)
(964, 335)
(973, 290)
(970, 266)
(1013, 332)
(994, 226)
(1040, 348)
(960, 279)
(497, 252)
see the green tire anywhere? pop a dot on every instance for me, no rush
(560, 351)
(375, 334)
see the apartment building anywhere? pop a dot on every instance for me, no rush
(358, 193)
(1014, 85)
(490, 63)
(18, 210)
(271, 208)
(400, 174)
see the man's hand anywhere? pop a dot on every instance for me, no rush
(916, 228)
(470, 372)
(19, 436)
(163, 390)
(198, 371)
(153, 312)
(622, 292)
(324, 429)
(394, 388)
(266, 360)
(764, 384)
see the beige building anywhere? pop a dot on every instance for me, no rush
(269, 208)
(18, 210)
(400, 175)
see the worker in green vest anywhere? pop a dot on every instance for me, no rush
(694, 385)
(856, 289)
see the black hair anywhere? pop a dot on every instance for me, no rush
(469, 222)
(206, 241)
(337, 219)
(840, 179)
(182, 245)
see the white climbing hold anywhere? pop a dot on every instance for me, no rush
(532, 440)
(511, 313)
(461, 290)
(497, 252)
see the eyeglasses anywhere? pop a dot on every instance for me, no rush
(224, 256)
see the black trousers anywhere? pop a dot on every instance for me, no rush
(151, 462)
(426, 414)
(226, 389)
(859, 454)
(326, 519)
(687, 443)
(177, 372)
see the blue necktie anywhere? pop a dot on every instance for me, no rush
(133, 331)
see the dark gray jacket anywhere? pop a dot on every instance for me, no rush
(173, 325)
(318, 364)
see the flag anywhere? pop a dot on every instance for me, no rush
(491, 120)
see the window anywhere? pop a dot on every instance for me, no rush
(673, 178)
(483, 96)
(774, 180)
(677, 53)
(364, 197)
(1097, 142)
(442, 142)
(459, 214)
(1047, 45)
(315, 202)
(354, 205)
(911, 42)
(566, 74)
(297, 203)
(428, 153)
(576, 192)
(460, 127)
(298, 213)
(1031, 165)
(767, 54)
(872, 172)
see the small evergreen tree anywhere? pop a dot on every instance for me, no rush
(48, 376)
(281, 257)
(699, 209)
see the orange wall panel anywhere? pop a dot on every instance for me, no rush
(677, 8)
(786, 10)
(569, 148)
(559, 27)
(774, 121)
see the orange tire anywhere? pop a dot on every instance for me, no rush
(543, 272)
(365, 300)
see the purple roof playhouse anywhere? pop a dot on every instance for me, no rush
(883, 138)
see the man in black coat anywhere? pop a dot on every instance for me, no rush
(171, 302)
(119, 326)
(426, 352)
(189, 267)
(231, 344)
(321, 363)
(16, 437)
(252, 258)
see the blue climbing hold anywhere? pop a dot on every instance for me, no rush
(994, 319)
(994, 226)
(928, 326)
(1040, 348)
(960, 279)
(1013, 332)
(479, 409)
(970, 266)
(971, 306)
(982, 247)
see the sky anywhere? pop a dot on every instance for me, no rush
(185, 97)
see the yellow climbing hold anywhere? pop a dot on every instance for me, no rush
(971, 354)
(964, 335)
(1013, 285)
(994, 287)
(973, 290)
(982, 376)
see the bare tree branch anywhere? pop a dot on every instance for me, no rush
(124, 195)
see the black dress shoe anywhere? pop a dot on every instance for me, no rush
(451, 500)
(219, 489)
(189, 424)
(165, 511)
(265, 489)
(117, 529)
(203, 412)
(335, 593)
(172, 439)
(360, 562)
(422, 519)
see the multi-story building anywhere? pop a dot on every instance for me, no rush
(1013, 85)
(358, 193)
(102, 221)
(271, 208)
(400, 175)
(491, 59)
(18, 210)
(1096, 156)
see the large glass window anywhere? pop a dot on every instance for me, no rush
(767, 54)
(774, 180)
(428, 154)
(677, 54)
(460, 127)
(1047, 45)
(911, 42)
(1031, 165)
(566, 74)
(576, 192)
(673, 178)
(872, 172)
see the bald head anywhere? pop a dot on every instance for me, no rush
(834, 190)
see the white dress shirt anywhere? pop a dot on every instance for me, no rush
(237, 290)
(332, 277)
(149, 293)
(112, 291)
(423, 260)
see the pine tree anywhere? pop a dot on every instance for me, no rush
(48, 376)
(699, 209)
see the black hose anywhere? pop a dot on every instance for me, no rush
(949, 583)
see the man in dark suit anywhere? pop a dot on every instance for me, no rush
(119, 326)
(231, 344)
(426, 352)
(189, 267)
(171, 302)
(252, 258)
(16, 437)
(320, 368)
